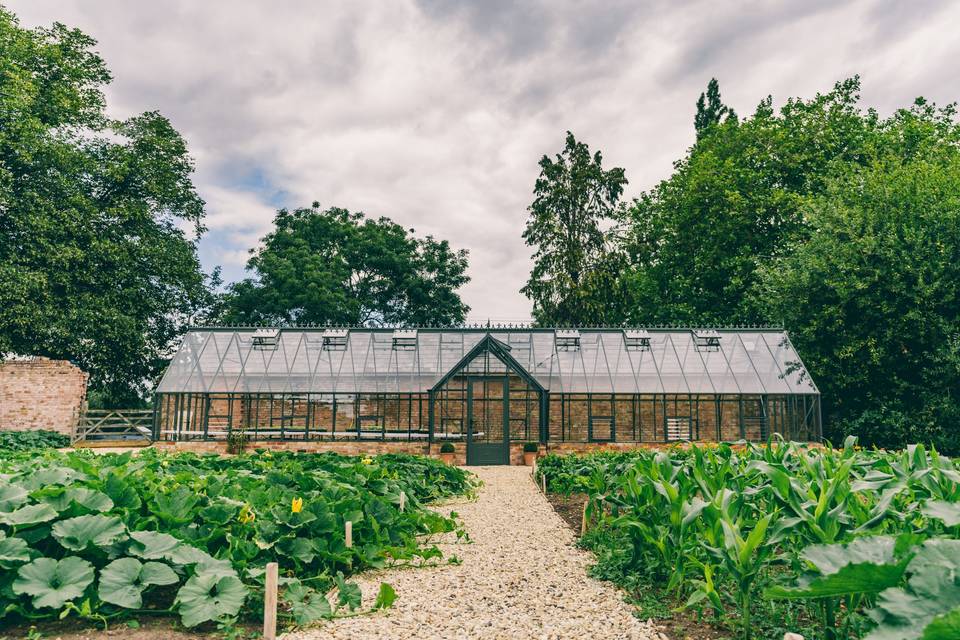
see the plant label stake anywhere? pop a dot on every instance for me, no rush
(584, 522)
(348, 533)
(270, 603)
(403, 500)
(543, 478)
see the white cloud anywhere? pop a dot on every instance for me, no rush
(436, 113)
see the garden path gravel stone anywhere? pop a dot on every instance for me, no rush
(521, 577)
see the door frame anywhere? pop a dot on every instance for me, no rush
(488, 453)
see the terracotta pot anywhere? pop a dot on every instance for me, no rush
(448, 457)
(529, 458)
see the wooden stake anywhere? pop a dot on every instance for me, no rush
(348, 533)
(584, 522)
(544, 479)
(403, 500)
(270, 603)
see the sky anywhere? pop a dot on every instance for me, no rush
(435, 113)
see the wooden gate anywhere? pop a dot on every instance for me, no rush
(114, 427)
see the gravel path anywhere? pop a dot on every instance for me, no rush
(520, 578)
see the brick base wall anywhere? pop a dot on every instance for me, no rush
(41, 394)
(357, 448)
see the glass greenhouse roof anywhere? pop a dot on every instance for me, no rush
(301, 360)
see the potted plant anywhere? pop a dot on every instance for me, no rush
(447, 452)
(530, 450)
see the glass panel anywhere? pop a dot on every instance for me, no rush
(742, 351)
(793, 372)
(718, 369)
(227, 361)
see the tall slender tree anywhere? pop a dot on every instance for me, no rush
(574, 269)
(710, 109)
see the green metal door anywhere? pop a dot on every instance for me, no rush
(488, 420)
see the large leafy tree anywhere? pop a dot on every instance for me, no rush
(334, 266)
(95, 265)
(873, 296)
(735, 201)
(574, 277)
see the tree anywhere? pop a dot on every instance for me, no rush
(338, 267)
(574, 268)
(94, 264)
(736, 201)
(873, 296)
(710, 109)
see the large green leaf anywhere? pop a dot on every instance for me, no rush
(52, 476)
(80, 532)
(926, 607)
(121, 492)
(946, 512)
(13, 551)
(348, 593)
(176, 507)
(53, 583)
(123, 581)
(151, 545)
(209, 596)
(86, 498)
(12, 496)
(943, 627)
(866, 565)
(28, 515)
(307, 605)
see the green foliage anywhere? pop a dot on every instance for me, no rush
(573, 280)
(104, 536)
(95, 265)
(531, 447)
(834, 531)
(735, 201)
(710, 109)
(447, 447)
(24, 440)
(334, 266)
(873, 294)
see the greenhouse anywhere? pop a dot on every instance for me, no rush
(487, 387)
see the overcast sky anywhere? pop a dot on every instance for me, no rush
(435, 113)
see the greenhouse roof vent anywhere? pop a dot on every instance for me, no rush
(265, 338)
(567, 339)
(636, 339)
(706, 339)
(405, 340)
(335, 339)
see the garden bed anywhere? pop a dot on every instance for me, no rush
(757, 541)
(104, 539)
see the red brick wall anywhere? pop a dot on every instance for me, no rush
(41, 394)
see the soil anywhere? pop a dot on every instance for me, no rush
(682, 625)
(160, 629)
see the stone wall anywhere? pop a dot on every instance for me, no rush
(41, 394)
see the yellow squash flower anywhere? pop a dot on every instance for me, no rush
(296, 505)
(367, 461)
(246, 514)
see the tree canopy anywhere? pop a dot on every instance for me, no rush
(95, 265)
(826, 218)
(574, 271)
(338, 267)
(873, 293)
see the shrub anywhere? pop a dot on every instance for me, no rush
(447, 447)
(531, 447)
(41, 439)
